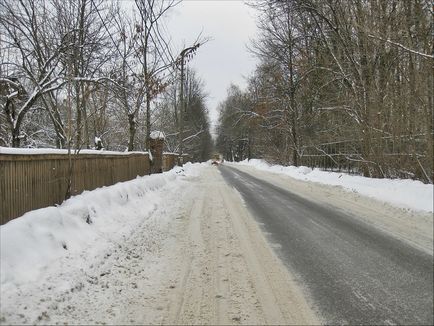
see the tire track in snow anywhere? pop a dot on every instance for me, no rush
(230, 274)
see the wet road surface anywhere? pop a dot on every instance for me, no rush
(352, 272)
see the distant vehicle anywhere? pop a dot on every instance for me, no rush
(217, 159)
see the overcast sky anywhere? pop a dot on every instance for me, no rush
(225, 59)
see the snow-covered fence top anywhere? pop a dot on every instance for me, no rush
(40, 151)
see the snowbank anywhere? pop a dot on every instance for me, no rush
(402, 193)
(87, 222)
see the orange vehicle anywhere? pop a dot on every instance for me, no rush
(217, 159)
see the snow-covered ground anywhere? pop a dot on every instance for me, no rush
(173, 248)
(408, 194)
(48, 254)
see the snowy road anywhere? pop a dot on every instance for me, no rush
(184, 248)
(229, 274)
(197, 258)
(355, 273)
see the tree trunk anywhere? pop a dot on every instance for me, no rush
(16, 140)
(85, 95)
(78, 67)
(148, 117)
(132, 131)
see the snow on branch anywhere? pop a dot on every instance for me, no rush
(193, 136)
(10, 82)
(97, 80)
(12, 95)
(403, 47)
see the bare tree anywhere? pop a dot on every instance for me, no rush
(33, 67)
(153, 51)
(345, 83)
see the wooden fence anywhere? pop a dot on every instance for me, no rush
(171, 159)
(34, 181)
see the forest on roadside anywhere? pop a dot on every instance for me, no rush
(341, 84)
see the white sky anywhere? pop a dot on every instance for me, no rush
(225, 59)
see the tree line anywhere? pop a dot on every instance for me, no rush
(340, 84)
(76, 71)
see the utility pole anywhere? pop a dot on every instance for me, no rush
(186, 52)
(181, 111)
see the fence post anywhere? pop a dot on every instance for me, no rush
(156, 145)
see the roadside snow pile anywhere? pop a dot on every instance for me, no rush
(31, 244)
(402, 193)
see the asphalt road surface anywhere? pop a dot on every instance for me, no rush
(351, 271)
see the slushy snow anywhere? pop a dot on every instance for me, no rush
(404, 193)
